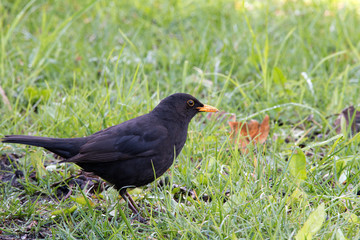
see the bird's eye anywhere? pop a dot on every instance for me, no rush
(190, 103)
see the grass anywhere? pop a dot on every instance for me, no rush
(72, 68)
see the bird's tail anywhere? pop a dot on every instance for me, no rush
(64, 147)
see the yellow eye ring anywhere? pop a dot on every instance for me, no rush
(190, 103)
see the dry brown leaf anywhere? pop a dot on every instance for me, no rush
(264, 130)
(348, 115)
(253, 131)
(78, 58)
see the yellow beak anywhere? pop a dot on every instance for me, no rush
(207, 108)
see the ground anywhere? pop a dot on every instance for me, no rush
(71, 68)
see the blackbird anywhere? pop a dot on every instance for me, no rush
(133, 153)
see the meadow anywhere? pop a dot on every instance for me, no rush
(71, 68)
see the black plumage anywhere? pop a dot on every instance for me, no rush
(133, 153)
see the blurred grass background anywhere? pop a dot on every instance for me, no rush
(70, 68)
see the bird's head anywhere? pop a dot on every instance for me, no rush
(181, 106)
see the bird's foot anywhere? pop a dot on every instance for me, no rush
(140, 219)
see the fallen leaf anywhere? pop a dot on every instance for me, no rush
(313, 224)
(31, 225)
(353, 218)
(339, 235)
(253, 131)
(83, 201)
(64, 211)
(78, 58)
(296, 197)
(348, 116)
(297, 166)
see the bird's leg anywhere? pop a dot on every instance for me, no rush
(132, 205)
(131, 201)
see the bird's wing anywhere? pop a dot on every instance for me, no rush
(117, 145)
